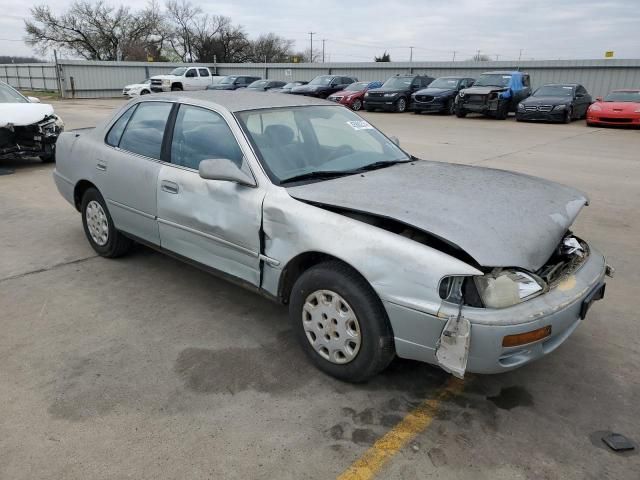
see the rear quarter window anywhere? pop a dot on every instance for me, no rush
(115, 133)
(144, 132)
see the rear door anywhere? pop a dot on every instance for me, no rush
(191, 79)
(129, 167)
(205, 77)
(215, 223)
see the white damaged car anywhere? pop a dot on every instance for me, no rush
(135, 89)
(28, 128)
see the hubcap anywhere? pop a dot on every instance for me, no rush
(356, 105)
(97, 223)
(331, 326)
(401, 105)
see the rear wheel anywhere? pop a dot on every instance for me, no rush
(340, 322)
(401, 105)
(99, 228)
(356, 105)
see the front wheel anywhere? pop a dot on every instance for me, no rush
(502, 112)
(461, 112)
(356, 105)
(340, 322)
(450, 108)
(144, 92)
(176, 88)
(48, 157)
(99, 227)
(401, 105)
(568, 116)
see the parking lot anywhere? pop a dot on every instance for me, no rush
(145, 367)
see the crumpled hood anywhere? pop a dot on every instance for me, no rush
(618, 107)
(308, 88)
(499, 218)
(21, 114)
(483, 90)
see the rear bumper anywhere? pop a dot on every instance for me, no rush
(65, 186)
(417, 333)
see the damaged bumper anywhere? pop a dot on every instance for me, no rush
(37, 139)
(553, 316)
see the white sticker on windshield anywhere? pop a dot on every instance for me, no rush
(359, 125)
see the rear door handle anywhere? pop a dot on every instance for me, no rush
(169, 187)
(101, 165)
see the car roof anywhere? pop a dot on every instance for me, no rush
(504, 72)
(237, 101)
(627, 90)
(561, 85)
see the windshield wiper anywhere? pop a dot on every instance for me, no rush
(320, 174)
(378, 165)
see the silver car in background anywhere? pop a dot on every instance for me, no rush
(376, 252)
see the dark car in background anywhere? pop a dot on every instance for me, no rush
(494, 94)
(287, 87)
(440, 95)
(353, 95)
(395, 94)
(264, 85)
(557, 102)
(233, 82)
(324, 85)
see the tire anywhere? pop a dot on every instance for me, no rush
(356, 105)
(368, 109)
(115, 243)
(361, 310)
(48, 158)
(568, 116)
(502, 112)
(450, 108)
(460, 112)
(144, 92)
(176, 88)
(401, 105)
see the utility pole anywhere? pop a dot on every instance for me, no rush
(410, 54)
(454, 56)
(497, 57)
(478, 56)
(311, 34)
(323, 40)
(520, 56)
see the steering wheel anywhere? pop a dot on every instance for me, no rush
(341, 151)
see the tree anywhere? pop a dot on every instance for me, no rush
(96, 31)
(385, 57)
(10, 59)
(270, 48)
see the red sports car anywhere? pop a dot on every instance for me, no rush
(620, 107)
(353, 94)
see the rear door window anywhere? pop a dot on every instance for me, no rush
(203, 72)
(114, 135)
(144, 132)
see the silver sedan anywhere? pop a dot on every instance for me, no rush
(376, 252)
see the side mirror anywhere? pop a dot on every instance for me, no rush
(395, 140)
(224, 170)
(33, 99)
(598, 99)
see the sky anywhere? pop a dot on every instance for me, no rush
(356, 31)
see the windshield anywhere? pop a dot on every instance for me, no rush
(493, 80)
(228, 80)
(178, 72)
(448, 83)
(321, 80)
(295, 141)
(146, 81)
(9, 95)
(398, 83)
(292, 84)
(259, 84)
(623, 97)
(554, 91)
(357, 87)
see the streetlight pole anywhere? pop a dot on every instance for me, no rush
(311, 34)
(410, 54)
(323, 40)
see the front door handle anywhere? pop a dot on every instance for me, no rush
(101, 165)
(169, 187)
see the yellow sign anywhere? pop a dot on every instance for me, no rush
(149, 58)
(608, 54)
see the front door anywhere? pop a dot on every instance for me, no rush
(216, 223)
(129, 165)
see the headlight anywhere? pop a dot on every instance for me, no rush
(521, 106)
(507, 288)
(595, 108)
(637, 111)
(559, 107)
(390, 94)
(166, 82)
(461, 94)
(366, 94)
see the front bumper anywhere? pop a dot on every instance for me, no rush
(488, 107)
(608, 119)
(552, 116)
(417, 333)
(388, 103)
(436, 105)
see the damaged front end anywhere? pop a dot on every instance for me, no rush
(34, 140)
(498, 311)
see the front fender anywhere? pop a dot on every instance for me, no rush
(400, 270)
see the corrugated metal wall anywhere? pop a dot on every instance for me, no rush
(93, 79)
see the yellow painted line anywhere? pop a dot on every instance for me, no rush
(415, 422)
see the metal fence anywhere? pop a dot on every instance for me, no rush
(96, 79)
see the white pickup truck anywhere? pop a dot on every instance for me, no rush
(183, 78)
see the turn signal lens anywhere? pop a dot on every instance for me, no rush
(528, 337)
